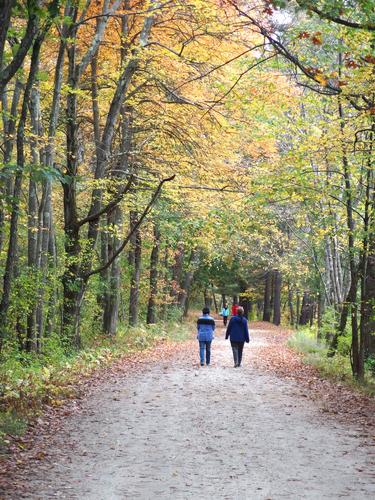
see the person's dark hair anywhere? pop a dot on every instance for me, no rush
(240, 311)
(205, 310)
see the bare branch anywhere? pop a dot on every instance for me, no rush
(237, 82)
(219, 66)
(109, 207)
(281, 49)
(130, 234)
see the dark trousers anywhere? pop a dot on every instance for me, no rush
(205, 345)
(225, 319)
(237, 348)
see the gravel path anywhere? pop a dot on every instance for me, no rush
(178, 431)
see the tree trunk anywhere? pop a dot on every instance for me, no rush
(368, 311)
(223, 300)
(305, 310)
(72, 284)
(112, 302)
(34, 217)
(290, 305)
(351, 302)
(320, 306)
(154, 262)
(9, 129)
(206, 298)
(214, 299)
(277, 298)
(13, 240)
(250, 309)
(165, 290)
(188, 279)
(177, 274)
(312, 312)
(267, 297)
(135, 255)
(367, 326)
(46, 243)
(32, 260)
(298, 306)
(112, 276)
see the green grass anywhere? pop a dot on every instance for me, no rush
(337, 367)
(304, 341)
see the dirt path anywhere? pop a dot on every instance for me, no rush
(178, 431)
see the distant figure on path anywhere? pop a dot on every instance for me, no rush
(206, 328)
(234, 309)
(239, 334)
(225, 313)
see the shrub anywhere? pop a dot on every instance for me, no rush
(370, 365)
(315, 353)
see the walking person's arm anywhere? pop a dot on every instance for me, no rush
(228, 329)
(213, 324)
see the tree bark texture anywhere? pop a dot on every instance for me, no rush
(135, 255)
(267, 296)
(277, 298)
(154, 262)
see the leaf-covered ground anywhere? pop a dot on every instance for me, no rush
(157, 425)
(332, 397)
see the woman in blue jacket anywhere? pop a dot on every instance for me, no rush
(239, 334)
(225, 313)
(206, 328)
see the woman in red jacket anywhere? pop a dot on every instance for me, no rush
(234, 309)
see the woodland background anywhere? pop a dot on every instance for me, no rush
(157, 156)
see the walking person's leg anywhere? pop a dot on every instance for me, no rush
(240, 350)
(225, 319)
(208, 352)
(202, 346)
(235, 353)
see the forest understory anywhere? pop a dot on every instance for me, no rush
(158, 424)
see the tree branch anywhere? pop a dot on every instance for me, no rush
(200, 77)
(338, 20)
(130, 234)
(110, 206)
(97, 39)
(32, 28)
(281, 49)
(237, 82)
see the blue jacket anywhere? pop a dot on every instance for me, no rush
(206, 328)
(237, 329)
(224, 311)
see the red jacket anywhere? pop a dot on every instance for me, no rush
(234, 309)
